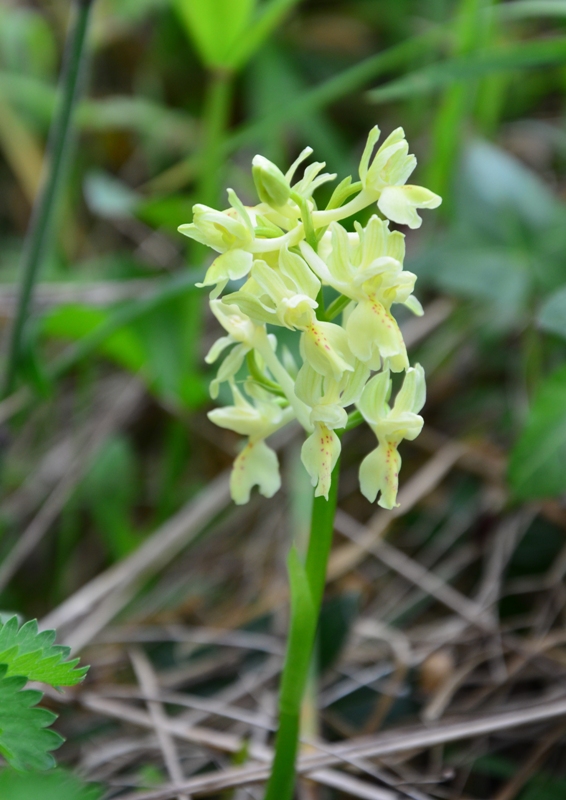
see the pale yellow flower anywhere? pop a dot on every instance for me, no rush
(230, 233)
(386, 175)
(286, 296)
(379, 471)
(367, 267)
(256, 463)
(327, 399)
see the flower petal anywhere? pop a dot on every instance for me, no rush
(319, 454)
(373, 402)
(379, 472)
(256, 465)
(325, 346)
(374, 333)
(232, 265)
(399, 203)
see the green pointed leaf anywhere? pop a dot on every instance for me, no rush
(537, 467)
(24, 741)
(215, 26)
(26, 652)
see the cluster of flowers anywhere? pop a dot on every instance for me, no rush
(283, 251)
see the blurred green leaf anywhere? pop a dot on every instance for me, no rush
(226, 33)
(544, 788)
(110, 500)
(109, 197)
(27, 43)
(55, 785)
(215, 27)
(552, 315)
(520, 9)
(537, 466)
(170, 335)
(269, 16)
(515, 56)
(496, 276)
(154, 338)
(500, 181)
(77, 321)
(34, 96)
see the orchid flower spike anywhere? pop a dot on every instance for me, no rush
(309, 325)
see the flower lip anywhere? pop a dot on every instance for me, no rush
(400, 203)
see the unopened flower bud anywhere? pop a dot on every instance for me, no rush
(272, 186)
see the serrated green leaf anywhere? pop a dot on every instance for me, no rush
(25, 741)
(552, 315)
(26, 652)
(56, 785)
(537, 467)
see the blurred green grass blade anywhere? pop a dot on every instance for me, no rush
(274, 81)
(36, 99)
(40, 227)
(270, 15)
(518, 56)
(349, 80)
(523, 9)
(537, 466)
(456, 103)
(552, 315)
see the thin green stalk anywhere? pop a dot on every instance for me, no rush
(307, 589)
(215, 121)
(44, 209)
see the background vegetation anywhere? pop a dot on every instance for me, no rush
(116, 524)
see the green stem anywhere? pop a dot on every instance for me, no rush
(300, 646)
(45, 206)
(216, 113)
(337, 306)
(260, 378)
(286, 382)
